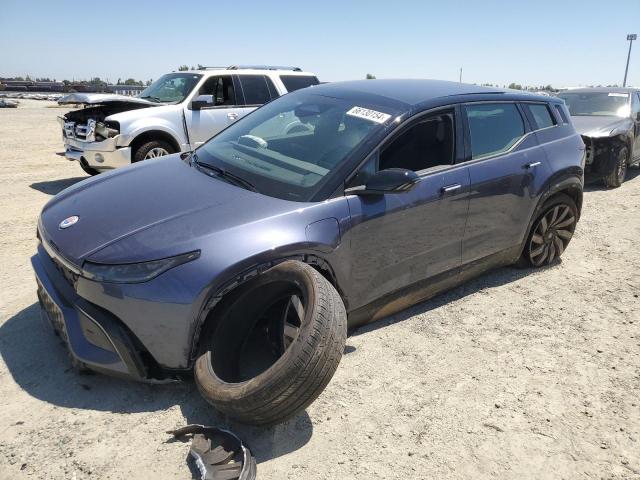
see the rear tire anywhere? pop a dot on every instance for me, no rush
(305, 360)
(152, 149)
(616, 177)
(550, 233)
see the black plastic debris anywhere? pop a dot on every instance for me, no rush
(219, 454)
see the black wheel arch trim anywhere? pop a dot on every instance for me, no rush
(151, 135)
(223, 289)
(570, 185)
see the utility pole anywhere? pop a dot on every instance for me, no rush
(461, 75)
(631, 37)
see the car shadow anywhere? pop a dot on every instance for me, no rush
(53, 187)
(596, 184)
(38, 362)
(487, 280)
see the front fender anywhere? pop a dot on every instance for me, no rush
(124, 140)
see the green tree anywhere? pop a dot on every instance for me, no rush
(183, 68)
(515, 86)
(370, 76)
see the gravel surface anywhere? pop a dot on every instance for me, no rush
(518, 374)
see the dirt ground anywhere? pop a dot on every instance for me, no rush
(518, 374)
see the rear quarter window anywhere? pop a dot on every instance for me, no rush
(541, 115)
(561, 113)
(494, 128)
(296, 82)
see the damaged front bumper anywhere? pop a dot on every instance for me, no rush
(105, 155)
(94, 338)
(80, 144)
(601, 155)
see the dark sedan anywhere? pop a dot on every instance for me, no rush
(609, 121)
(247, 259)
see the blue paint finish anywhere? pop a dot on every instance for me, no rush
(373, 246)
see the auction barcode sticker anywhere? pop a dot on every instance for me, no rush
(367, 114)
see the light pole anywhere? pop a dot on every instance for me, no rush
(631, 37)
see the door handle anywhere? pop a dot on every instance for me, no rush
(451, 188)
(532, 164)
(232, 116)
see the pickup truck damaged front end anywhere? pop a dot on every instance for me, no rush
(90, 137)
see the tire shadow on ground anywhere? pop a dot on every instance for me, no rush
(39, 363)
(53, 187)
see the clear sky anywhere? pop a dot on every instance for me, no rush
(562, 42)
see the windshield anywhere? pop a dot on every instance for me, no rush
(289, 147)
(173, 87)
(597, 103)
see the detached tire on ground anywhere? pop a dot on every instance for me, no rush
(152, 149)
(274, 347)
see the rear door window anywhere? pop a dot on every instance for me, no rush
(493, 127)
(296, 82)
(541, 115)
(255, 88)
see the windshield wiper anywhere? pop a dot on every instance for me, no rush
(155, 99)
(221, 172)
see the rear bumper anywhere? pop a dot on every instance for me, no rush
(100, 156)
(94, 337)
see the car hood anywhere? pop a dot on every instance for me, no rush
(102, 99)
(169, 198)
(597, 125)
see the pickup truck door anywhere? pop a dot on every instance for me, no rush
(227, 108)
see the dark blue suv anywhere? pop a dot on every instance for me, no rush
(247, 259)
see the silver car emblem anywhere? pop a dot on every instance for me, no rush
(69, 221)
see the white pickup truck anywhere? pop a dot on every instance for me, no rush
(176, 113)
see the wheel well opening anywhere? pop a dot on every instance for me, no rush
(228, 297)
(154, 135)
(576, 195)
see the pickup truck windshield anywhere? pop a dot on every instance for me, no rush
(597, 103)
(287, 148)
(172, 87)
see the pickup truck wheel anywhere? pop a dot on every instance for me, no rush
(616, 177)
(551, 232)
(89, 170)
(275, 347)
(151, 150)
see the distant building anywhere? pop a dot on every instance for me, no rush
(130, 90)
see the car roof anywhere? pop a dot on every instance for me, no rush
(600, 90)
(249, 71)
(414, 93)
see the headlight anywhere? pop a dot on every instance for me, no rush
(107, 129)
(134, 272)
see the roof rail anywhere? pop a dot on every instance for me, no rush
(263, 67)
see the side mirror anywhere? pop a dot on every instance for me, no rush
(391, 180)
(202, 101)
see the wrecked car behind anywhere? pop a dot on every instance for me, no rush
(608, 119)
